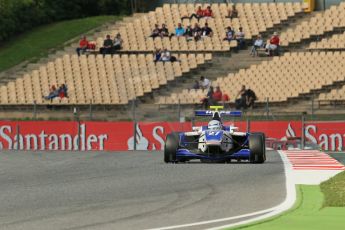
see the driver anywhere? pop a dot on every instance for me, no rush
(214, 125)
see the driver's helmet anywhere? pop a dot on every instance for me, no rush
(214, 125)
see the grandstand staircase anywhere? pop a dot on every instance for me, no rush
(220, 66)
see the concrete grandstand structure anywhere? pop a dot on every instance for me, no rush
(116, 80)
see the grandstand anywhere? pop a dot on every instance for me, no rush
(113, 81)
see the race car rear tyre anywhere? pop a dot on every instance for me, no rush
(257, 148)
(171, 146)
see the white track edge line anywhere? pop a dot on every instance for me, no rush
(285, 205)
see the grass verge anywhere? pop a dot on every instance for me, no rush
(39, 42)
(311, 210)
(334, 191)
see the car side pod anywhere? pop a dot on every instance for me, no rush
(257, 148)
(170, 147)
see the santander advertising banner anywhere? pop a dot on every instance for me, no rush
(113, 136)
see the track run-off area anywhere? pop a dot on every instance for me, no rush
(132, 190)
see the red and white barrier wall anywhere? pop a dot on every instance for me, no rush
(59, 135)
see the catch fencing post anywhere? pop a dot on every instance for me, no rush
(248, 125)
(312, 106)
(90, 110)
(18, 136)
(179, 110)
(35, 110)
(76, 118)
(267, 109)
(134, 125)
(303, 131)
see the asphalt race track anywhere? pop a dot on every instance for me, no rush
(129, 190)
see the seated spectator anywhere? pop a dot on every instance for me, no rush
(232, 13)
(241, 102)
(207, 31)
(164, 32)
(118, 42)
(239, 36)
(62, 91)
(250, 98)
(229, 35)
(179, 31)
(196, 85)
(53, 93)
(165, 56)
(208, 13)
(225, 97)
(258, 43)
(273, 44)
(157, 55)
(197, 32)
(217, 95)
(83, 45)
(107, 46)
(204, 83)
(208, 100)
(188, 33)
(155, 32)
(198, 14)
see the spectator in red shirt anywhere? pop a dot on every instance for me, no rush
(83, 44)
(273, 45)
(208, 13)
(217, 95)
(198, 14)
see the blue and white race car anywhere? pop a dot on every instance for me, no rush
(215, 142)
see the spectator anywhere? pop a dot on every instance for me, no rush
(204, 83)
(53, 93)
(258, 43)
(196, 85)
(179, 31)
(164, 32)
(232, 13)
(239, 36)
(208, 13)
(118, 42)
(62, 91)
(83, 45)
(240, 103)
(107, 46)
(250, 98)
(273, 44)
(157, 55)
(229, 35)
(155, 32)
(225, 97)
(189, 33)
(198, 14)
(217, 95)
(165, 56)
(207, 31)
(197, 32)
(208, 100)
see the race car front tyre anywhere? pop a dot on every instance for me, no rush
(257, 148)
(171, 146)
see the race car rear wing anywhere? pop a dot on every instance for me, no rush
(210, 113)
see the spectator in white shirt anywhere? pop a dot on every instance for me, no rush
(258, 43)
(204, 83)
(165, 55)
(239, 36)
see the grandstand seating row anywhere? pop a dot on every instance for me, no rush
(320, 23)
(333, 95)
(97, 79)
(282, 78)
(254, 18)
(337, 41)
